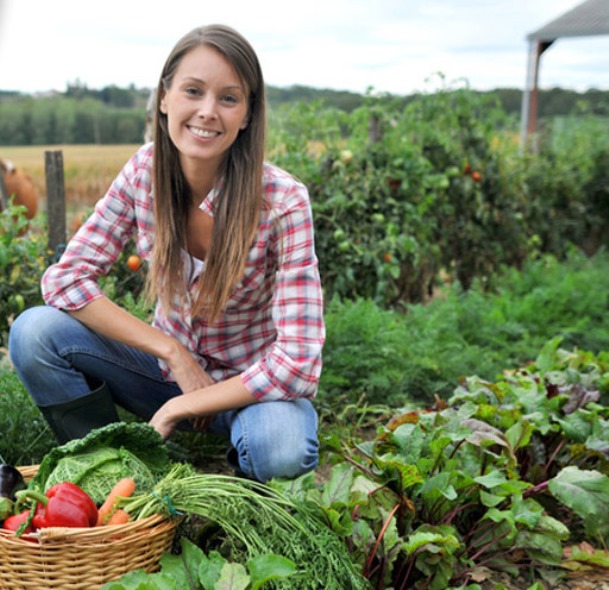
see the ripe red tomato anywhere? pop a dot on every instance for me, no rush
(476, 176)
(134, 262)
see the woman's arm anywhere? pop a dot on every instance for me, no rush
(201, 404)
(105, 317)
(291, 366)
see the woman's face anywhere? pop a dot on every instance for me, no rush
(206, 108)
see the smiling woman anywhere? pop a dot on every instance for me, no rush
(206, 107)
(235, 344)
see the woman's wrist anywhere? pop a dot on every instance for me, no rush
(170, 350)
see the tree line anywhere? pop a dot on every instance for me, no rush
(113, 115)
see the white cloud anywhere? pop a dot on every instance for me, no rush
(391, 45)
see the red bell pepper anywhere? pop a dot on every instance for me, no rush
(64, 505)
(12, 523)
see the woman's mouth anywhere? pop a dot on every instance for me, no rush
(205, 133)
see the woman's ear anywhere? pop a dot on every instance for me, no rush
(163, 105)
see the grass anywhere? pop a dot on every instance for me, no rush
(26, 438)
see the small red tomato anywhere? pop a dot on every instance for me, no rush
(387, 257)
(134, 262)
(394, 183)
(467, 168)
(476, 176)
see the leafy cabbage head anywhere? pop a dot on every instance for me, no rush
(97, 461)
(97, 471)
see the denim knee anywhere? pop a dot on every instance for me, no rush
(31, 334)
(272, 460)
(277, 440)
(21, 336)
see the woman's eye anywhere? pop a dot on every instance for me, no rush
(192, 91)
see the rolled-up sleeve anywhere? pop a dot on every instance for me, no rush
(292, 365)
(72, 282)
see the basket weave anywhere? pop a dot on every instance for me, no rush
(81, 558)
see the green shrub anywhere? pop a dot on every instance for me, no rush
(443, 188)
(506, 476)
(22, 262)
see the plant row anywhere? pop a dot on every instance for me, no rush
(408, 195)
(405, 196)
(509, 475)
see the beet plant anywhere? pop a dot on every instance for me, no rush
(503, 476)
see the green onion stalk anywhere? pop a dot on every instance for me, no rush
(257, 520)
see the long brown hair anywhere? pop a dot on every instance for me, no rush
(239, 201)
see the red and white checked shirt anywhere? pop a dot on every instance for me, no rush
(272, 331)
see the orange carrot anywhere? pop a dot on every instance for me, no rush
(120, 516)
(124, 488)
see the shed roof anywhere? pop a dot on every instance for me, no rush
(588, 18)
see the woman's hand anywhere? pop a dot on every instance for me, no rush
(175, 410)
(163, 421)
(201, 407)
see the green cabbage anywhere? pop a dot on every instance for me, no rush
(96, 472)
(97, 461)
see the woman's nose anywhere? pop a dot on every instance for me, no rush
(207, 107)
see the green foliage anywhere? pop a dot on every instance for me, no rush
(253, 520)
(564, 187)
(125, 286)
(78, 116)
(46, 119)
(206, 572)
(406, 192)
(499, 478)
(24, 257)
(391, 358)
(26, 438)
(22, 262)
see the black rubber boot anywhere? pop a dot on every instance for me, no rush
(76, 418)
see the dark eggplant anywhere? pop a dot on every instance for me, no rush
(11, 481)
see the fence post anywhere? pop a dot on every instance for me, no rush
(3, 193)
(56, 199)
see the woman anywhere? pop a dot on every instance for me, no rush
(235, 344)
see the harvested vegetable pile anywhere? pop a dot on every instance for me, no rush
(242, 519)
(257, 520)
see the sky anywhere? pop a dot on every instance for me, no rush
(389, 46)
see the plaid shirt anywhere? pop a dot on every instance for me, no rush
(272, 330)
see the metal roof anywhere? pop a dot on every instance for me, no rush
(588, 18)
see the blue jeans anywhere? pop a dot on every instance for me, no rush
(57, 358)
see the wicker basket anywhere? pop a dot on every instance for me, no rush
(83, 558)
